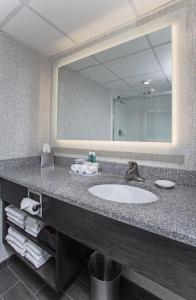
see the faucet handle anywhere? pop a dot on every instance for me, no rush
(132, 162)
(133, 165)
(133, 172)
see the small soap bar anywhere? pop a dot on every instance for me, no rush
(165, 184)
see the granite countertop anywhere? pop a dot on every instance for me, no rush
(173, 216)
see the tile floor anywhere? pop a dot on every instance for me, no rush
(18, 282)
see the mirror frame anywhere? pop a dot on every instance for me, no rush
(177, 146)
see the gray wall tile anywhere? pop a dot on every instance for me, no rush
(25, 80)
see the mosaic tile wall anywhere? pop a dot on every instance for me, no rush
(191, 82)
(24, 103)
(24, 99)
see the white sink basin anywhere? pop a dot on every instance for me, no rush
(122, 193)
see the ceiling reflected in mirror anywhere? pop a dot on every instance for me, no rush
(137, 75)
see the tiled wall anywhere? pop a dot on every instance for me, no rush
(24, 99)
(191, 81)
(25, 78)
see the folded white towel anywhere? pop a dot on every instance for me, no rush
(34, 223)
(15, 241)
(16, 212)
(17, 235)
(87, 168)
(36, 249)
(18, 250)
(37, 257)
(77, 168)
(15, 221)
(20, 221)
(32, 231)
(92, 169)
(36, 263)
(29, 205)
(15, 218)
(33, 226)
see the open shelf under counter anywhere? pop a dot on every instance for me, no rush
(45, 272)
(68, 254)
(32, 238)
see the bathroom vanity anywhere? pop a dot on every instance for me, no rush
(157, 240)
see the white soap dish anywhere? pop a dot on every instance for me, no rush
(165, 184)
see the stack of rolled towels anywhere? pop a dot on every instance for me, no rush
(85, 168)
(26, 248)
(23, 220)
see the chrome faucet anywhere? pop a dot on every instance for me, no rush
(133, 173)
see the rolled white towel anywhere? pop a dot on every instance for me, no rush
(17, 235)
(16, 221)
(12, 239)
(16, 212)
(30, 205)
(36, 263)
(17, 249)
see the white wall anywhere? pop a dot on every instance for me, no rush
(84, 108)
(25, 78)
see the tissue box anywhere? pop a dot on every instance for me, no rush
(47, 160)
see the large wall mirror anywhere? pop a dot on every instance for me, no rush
(121, 94)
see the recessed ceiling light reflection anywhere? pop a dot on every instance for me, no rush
(146, 82)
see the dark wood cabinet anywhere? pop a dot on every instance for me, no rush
(169, 263)
(12, 193)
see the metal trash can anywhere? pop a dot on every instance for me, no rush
(105, 276)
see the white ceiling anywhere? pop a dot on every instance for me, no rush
(54, 26)
(123, 69)
(6, 7)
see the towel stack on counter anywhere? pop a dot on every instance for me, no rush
(16, 216)
(85, 168)
(26, 248)
(24, 221)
